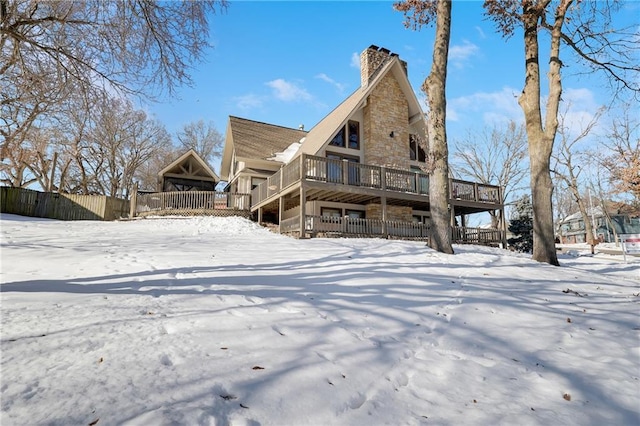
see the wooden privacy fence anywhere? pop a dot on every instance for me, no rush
(192, 203)
(27, 202)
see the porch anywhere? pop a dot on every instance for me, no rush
(309, 178)
(190, 203)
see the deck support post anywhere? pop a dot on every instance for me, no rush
(452, 208)
(259, 215)
(280, 213)
(303, 211)
(503, 226)
(383, 205)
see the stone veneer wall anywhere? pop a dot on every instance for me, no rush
(400, 213)
(387, 111)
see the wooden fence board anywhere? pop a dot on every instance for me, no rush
(51, 205)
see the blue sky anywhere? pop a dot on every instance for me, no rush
(291, 63)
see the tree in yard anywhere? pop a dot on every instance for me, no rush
(51, 49)
(418, 14)
(622, 145)
(521, 225)
(569, 165)
(495, 156)
(203, 138)
(585, 29)
(121, 141)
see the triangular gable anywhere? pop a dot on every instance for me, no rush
(322, 132)
(190, 165)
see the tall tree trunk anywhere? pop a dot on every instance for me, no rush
(541, 139)
(434, 87)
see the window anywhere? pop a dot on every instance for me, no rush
(416, 153)
(330, 212)
(334, 169)
(256, 181)
(354, 134)
(350, 132)
(338, 139)
(354, 214)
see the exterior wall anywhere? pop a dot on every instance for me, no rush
(386, 111)
(400, 213)
(244, 184)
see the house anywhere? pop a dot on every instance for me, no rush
(621, 220)
(360, 170)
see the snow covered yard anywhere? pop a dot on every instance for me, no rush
(215, 321)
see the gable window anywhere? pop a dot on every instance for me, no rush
(416, 153)
(354, 134)
(350, 133)
(338, 139)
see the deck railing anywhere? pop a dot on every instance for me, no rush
(473, 191)
(483, 236)
(356, 227)
(344, 172)
(189, 202)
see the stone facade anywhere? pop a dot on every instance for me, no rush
(385, 124)
(399, 213)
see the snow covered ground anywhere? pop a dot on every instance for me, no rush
(216, 321)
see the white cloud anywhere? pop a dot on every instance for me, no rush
(324, 77)
(249, 101)
(494, 107)
(579, 109)
(355, 60)
(288, 92)
(460, 53)
(480, 32)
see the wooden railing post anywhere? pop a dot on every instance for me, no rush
(281, 177)
(345, 172)
(383, 178)
(133, 201)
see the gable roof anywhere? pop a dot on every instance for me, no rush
(261, 140)
(186, 162)
(254, 139)
(327, 127)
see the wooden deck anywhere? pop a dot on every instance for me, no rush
(191, 203)
(347, 182)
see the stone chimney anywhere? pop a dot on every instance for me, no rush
(372, 59)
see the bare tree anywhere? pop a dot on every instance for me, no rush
(621, 142)
(203, 138)
(419, 13)
(50, 48)
(496, 156)
(569, 164)
(585, 28)
(122, 140)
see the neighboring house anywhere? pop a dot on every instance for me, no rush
(188, 172)
(572, 228)
(359, 170)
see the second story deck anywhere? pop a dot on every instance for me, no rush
(345, 181)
